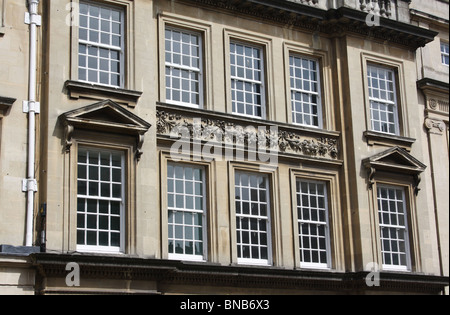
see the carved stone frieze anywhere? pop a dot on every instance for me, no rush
(241, 134)
(440, 105)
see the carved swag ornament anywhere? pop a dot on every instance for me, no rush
(263, 137)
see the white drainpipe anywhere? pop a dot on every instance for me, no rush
(29, 185)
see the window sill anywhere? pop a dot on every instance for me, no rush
(186, 258)
(377, 138)
(314, 266)
(392, 268)
(253, 262)
(78, 89)
(99, 250)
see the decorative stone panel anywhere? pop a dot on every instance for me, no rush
(435, 126)
(175, 122)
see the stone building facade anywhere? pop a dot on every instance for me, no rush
(232, 146)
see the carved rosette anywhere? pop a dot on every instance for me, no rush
(263, 137)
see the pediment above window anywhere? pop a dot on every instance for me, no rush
(105, 117)
(395, 160)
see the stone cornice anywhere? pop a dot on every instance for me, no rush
(78, 89)
(200, 274)
(349, 21)
(419, 15)
(426, 84)
(334, 22)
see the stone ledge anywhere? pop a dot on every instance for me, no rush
(97, 267)
(377, 138)
(78, 89)
(19, 250)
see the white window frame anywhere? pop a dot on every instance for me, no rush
(121, 200)
(383, 102)
(235, 78)
(389, 227)
(181, 67)
(445, 53)
(239, 215)
(310, 222)
(203, 212)
(119, 49)
(294, 89)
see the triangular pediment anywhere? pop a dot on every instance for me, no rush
(397, 160)
(105, 116)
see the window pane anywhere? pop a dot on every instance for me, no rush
(383, 105)
(393, 228)
(304, 91)
(100, 25)
(247, 82)
(99, 213)
(313, 227)
(445, 53)
(183, 66)
(252, 217)
(185, 210)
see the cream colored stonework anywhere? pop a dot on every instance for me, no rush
(334, 154)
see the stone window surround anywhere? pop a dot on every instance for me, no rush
(398, 181)
(126, 95)
(197, 208)
(391, 209)
(377, 138)
(90, 127)
(395, 167)
(265, 44)
(209, 234)
(86, 140)
(275, 215)
(335, 229)
(171, 20)
(324, 63)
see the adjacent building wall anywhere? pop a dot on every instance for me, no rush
(14, 41)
